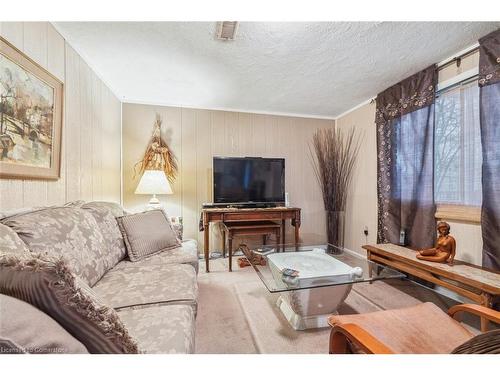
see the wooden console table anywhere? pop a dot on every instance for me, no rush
(209, 215)
(474, 282)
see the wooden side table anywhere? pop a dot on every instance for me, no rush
(476, 283)
(247, 228)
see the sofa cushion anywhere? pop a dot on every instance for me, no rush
(10, 241)
(147, 233)
(105, 215)
(161, 329)
(114, 208)
(19, 211)
(25, 329)
(187, 253)
(50, 285)
(155, 284)
(65, 231)
(77, 204)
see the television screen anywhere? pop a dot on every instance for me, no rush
(249, 180)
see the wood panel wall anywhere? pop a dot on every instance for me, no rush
(196, 135)
(91, 147)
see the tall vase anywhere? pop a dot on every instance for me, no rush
(335, 228)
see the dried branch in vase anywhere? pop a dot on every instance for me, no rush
(333, 157)
(158, 155)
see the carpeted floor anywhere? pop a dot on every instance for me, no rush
(237, 314)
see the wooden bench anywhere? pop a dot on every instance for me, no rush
(250, 228)
(474, 282)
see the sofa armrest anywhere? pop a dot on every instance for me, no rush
(342, 333)
(478, 310)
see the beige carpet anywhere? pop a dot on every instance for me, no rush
(237, 314)
(221, 326)
(271, 331)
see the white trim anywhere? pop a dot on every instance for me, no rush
(354, 108)
(459, 53)
(458, 78)
(179, 105)
(87, 61)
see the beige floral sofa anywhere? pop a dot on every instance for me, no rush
(155, 298)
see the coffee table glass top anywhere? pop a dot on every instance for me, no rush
(289, 267)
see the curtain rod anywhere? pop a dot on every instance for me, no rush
(464, 53)
(443, 64)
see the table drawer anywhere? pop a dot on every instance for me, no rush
(249, 216)
(215, 216)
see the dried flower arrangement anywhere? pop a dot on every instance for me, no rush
(158, 155)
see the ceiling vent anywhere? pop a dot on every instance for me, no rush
(226, 30)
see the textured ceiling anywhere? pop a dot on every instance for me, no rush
(309, 69)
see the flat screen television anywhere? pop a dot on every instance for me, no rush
(248, 180)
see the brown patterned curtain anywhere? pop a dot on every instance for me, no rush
(489, 82)
(405, 156)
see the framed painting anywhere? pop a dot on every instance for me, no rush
(31, 110)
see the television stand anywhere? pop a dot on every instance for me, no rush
(232, 214)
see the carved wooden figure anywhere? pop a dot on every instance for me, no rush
(444, 251)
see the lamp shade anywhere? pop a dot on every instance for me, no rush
(153, 182)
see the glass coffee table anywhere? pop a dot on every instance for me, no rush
(313, 280)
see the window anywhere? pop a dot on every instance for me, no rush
(457, 158)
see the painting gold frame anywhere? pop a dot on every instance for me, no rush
(9, 170)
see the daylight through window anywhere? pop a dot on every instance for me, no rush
(458, 156)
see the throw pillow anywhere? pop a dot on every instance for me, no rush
(147, 233)
(49, 285)
(26, 329)
(485, 343)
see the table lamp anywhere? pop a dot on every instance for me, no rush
(153, 182)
